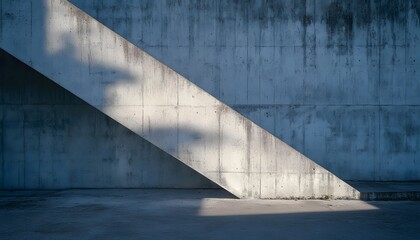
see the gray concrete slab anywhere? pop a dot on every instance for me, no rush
(197, 214)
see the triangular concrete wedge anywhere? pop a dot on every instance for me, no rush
(51, 139)
(68, 46)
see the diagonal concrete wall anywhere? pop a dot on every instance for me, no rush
(127, 84)
(50, 139)
(337, 80)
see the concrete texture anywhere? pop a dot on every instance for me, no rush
(337, 80)
(191, 214)
(105, 70)
(387, 190)
(51, 139)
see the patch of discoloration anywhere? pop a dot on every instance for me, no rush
(415, 4)
(300, 13)
(363, 15)
(393, 11)
(339, 23)
(264, 11)
(395, 142)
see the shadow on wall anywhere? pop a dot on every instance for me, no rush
(109, 73)
(53, 139)
(78, 56)
(338, 81)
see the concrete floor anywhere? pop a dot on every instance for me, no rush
(197, 214)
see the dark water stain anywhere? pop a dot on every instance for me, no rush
(338, 18)
(276, 10)
(363, 14)
(245, 109)
(339, 23)
(262, 12)
(292, 114)
(147, 9)
(412, 126)
(269, 10)
(393, 11)
(411, 130)
(8, 15)
(174, 3)
(299, 13)
(415, 5)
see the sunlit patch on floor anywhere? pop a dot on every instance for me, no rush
(238, 207)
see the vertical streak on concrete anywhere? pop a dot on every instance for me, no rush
(315, 43)
(304, 23)
(247, 53)
(406, 45)
(219, 145)
(163, 27)
(379, 22)
(31, 20)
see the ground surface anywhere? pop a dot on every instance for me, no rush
(197, 214)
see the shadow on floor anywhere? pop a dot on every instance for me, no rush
(197, 214)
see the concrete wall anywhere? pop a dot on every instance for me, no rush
(109, 73)
(337, 80)
(49, 138)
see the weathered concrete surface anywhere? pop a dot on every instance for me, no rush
(337, 80)
(103, 69)
(385, 191)
(51, 139)
(209, 214)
